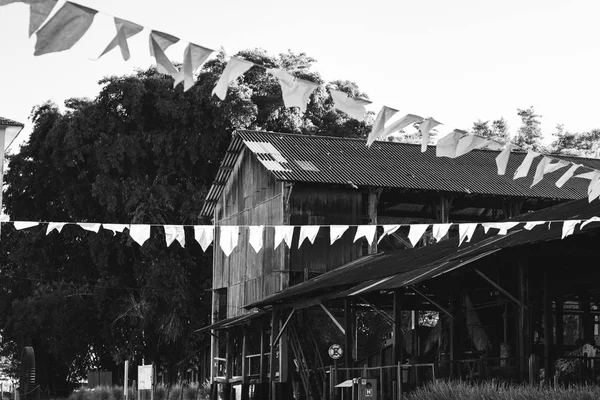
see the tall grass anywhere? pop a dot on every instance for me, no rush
(455, 390)
(161, 392)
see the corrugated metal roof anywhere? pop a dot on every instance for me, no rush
(9, 122)
(345, 161)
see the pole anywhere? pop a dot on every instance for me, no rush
(126, 380)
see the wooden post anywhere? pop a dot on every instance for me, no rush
(244, 352)
(272, 359)
(348, 351)
(548, 332)
(125, 381)
(399, 378)
(263, 363)
(373, 201)
(228, 366)
(523, 337)
(398, 344)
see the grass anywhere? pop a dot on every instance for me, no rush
(161, 392)
(455, 390)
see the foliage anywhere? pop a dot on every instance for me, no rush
(190, 392)
(583, 144)
(497, 131)
(529, 134)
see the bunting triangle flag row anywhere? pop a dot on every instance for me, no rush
(229, 235)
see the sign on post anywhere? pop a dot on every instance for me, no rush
(335, 351)
(145, 377)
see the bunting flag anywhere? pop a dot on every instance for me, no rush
(256, 237)
(55, 226)
(308, 232)
(38, 11)
(502, 227)
(366, 231)
(440, 231)
(24, 224)
(173, 233)
(125, 30)
(296, 92)
(567, 175)
(92, 227)
(532, 224)
(114, 228)
(502, 159)
(204, 235)
(159, 43)
(379, 125)
(589, 221)
(569, 227)
(228, 239)
(465, 232)
(388, 230)
(416, 233)
(283, 232)
(354, 107)
(64, 29)
(336, 232)
(469, 143)
(402, 123)
(235, 68)
(545, 167)
(523, 169)
(446, 146)
(139, 233)
(193, 58)
(424, 128)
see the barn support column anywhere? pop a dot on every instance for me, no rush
(272, 356)
(548, 331)
(245, 395)
(261, 391)
(349, 320)
(228, 366)
(398, 344)
(523, 323)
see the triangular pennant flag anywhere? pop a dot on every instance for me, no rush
(354, 107)
(388, 230)
(193, 57)
(92, 227)
(446, 146)
(336, 232)
(295, 92)
(468, 143)
(125, 30)
(308, 232)
(24, 224)
(235, 68)
(64, 29)
(416, 232)
(256, 237)
(55, 226)
(523, 169)
(594, 186)
(38, 11)
(567, 175)
(532, 224)
(159, 43)
(569, 227)
(173, 233)
(366, 231)
(545, 167)
(204, 234)
(228, 240)
(379, 125)
(465, 232)
(494, 145)
(401, 124)
(424, 128)
(139, 233)
(440, 230)
(502, 159)
(502, 227)
(115, 227)
(283, 232)
(589, 221)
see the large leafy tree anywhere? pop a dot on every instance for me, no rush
(529, 134)
(585, 144)
(140, 152)
(498, 130)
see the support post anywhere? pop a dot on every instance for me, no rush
(125, 381)
(372, 206)
(244, 352)
(398, 344)
(272, 359)
(348, 345)
(263, 360)
(548, 332)
(523, 336)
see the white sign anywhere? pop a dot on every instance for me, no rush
(335, 351)
(145, 377)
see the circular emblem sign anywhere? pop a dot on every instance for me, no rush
(335, 351)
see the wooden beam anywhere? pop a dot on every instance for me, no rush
(548, 331)
(385, 315)
(244, 351)
(263, 364)
(500, 288)
(272, 359)
(285, 325)
(443, 309)
(398, 354)
(335, 321)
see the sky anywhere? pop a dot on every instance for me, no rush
(457, 61)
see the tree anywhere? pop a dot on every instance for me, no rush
(498, 131)
(529, 134)
(584, 144)
(139, 152)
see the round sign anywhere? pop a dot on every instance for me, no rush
(335, 351)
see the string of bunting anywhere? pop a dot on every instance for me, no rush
(229, 234)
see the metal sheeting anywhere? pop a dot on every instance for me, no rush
(9, 122)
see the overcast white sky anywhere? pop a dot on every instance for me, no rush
(456, 61)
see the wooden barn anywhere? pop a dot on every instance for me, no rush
(277, 311)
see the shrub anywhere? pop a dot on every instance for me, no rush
(175, 393)
(101, 393)
(160, 393)
(117, 393)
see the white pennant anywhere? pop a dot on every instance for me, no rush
(139, 233)
(567, 175)
(234, 69)
(366, 231)
(38, 11)
(446, 146)
(502, 227)
(388, 230)
(589, 221)
(204, 234)
(308, 232)
(336, 232)
(532, 224)
(55, 225)
(424, 128)
(115, 227)
(401, 124)
(285, 233)
(159, 43)
(594, 186)
(256, 237)
(173, 233)
(440, 230)
(569, 227)
(545, 167)
(502, 159)
(89, 226)
(229, 236)
(465, 232)
(416, 232)
(468, 143)
(125, 30)
(296, 92)
(379, 125)
(354, 107)
(523, 169)
(193, 57)
(24, 224)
